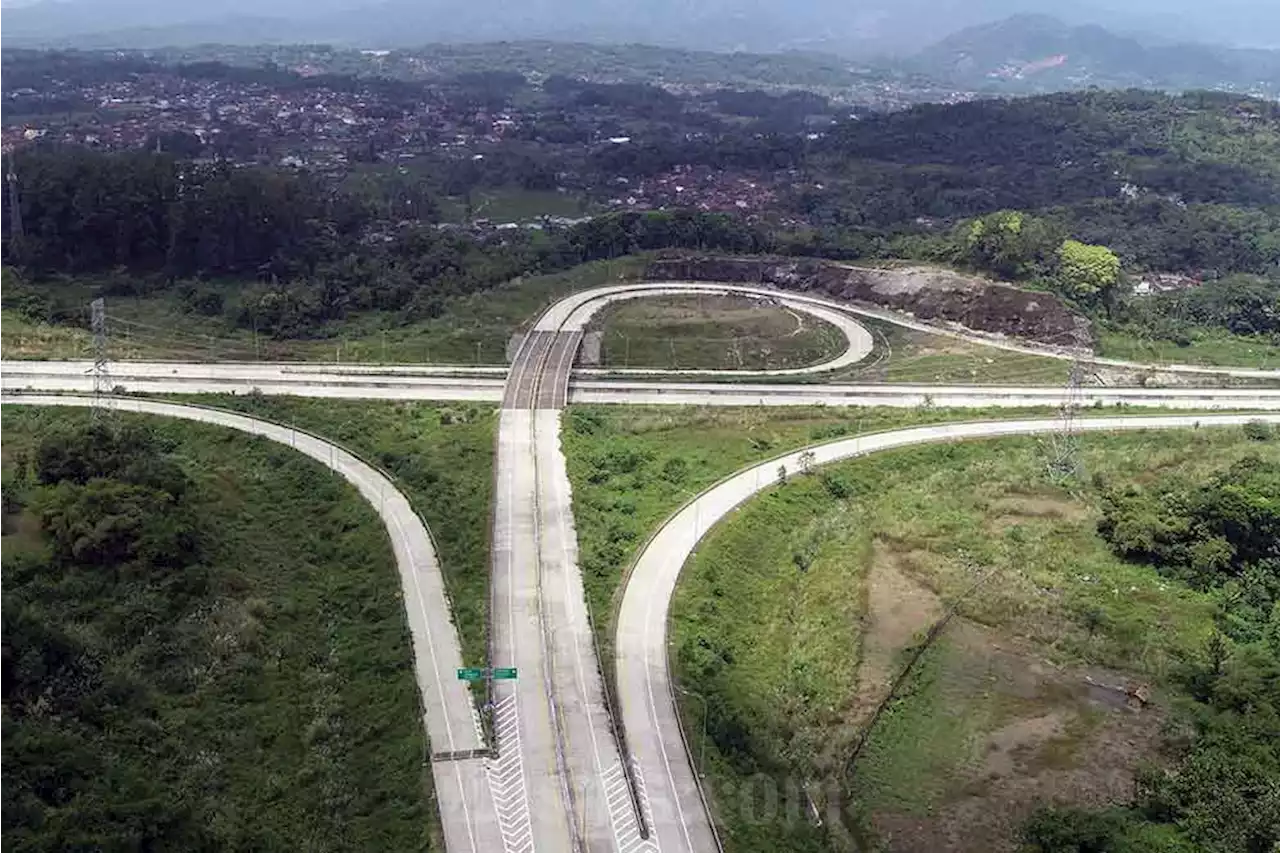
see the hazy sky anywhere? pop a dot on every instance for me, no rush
(789, 22)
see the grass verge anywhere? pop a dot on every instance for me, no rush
(1208, 348)
(713, 333)
(631, 467)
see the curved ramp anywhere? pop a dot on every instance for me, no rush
(466, 806)
(681, 823)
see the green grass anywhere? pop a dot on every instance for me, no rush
(440, 456)
(473, 329)
(774, 646)
(713, 332)
(1210, 348)
(279, 712)
(633, 466)
(908, 356)
(920, 742)
(24, 338)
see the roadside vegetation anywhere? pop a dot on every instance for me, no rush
(631, 467)
(204, 647)
(439, 455)
(1104, 625)
(467, 328)
(909, 356)
(713, 333)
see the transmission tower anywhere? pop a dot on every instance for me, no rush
(101, 375)
(15, 210)
(1064, 458)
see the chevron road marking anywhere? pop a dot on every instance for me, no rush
(506, 779)
(626, 829)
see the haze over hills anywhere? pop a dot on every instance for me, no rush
(873, 27)
(1041, 53)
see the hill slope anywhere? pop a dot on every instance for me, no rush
(1040, 53)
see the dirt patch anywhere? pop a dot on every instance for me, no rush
(1053, 736)
(1009, 512)
(925, 292)
(899, 611)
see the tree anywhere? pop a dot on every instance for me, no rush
(1086, 272)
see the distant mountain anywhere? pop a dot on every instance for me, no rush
(860, 28)
(1041, 53)
(761, 25)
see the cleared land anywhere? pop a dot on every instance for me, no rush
(795, 615)
(906, 355)
(258, 695)
(713, 333)
(513, 205)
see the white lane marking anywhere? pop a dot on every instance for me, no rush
(506, 779)
(626, 829)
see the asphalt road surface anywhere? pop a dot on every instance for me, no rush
(461, 783)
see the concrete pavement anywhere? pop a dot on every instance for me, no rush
(559, 782)
(149, 378)
(645, 693)
(466, 808)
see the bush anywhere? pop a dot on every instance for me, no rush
(1259, 431)
(1054, 830)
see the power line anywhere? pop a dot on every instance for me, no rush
(1064, 462)
(101, 376)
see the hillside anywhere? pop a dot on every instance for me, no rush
(1042, 53)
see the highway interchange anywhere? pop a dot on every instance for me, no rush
(562, 774)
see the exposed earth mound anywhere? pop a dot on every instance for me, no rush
(925, 292)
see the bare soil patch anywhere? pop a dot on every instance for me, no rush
(899, 612)
(1011, 511)
(1051, 735)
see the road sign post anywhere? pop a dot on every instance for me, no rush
(476, 673)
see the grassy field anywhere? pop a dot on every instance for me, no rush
(472, 330)
(259, 698)
(23, 338)
(1213, 349)
(440, 456)
(632, 466)
(713, 332)
(909, 356)
(798, 611)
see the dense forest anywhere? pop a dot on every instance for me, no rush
(1018, 189)
(186, 667)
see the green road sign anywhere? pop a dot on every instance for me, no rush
(475, 673)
